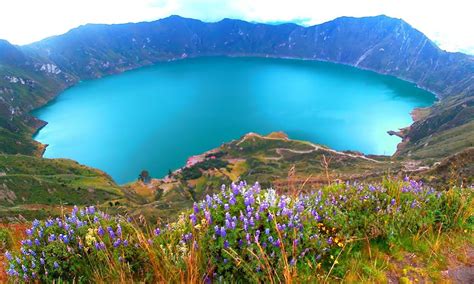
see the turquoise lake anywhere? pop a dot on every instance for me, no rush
(155, 117)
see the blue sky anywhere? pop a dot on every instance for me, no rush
(448, 23)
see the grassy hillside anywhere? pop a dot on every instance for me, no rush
(445, 129)
(274, 160)
(32, 184)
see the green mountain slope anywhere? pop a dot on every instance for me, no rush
(29, 184)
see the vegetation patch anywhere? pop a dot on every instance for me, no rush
(248, 234)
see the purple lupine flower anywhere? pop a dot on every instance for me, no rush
(270, 217)
(111, 232)
(193, 218)
(91, 210)
(282, 203)
(207, 215)
(117, 243)
(226, 244)
(8, 255)
(300, 207)
(55, 265)
(330, 241)
(119, 230)
(51, 238)
(195, 208)
(235, 189)
(36, 223)
(157, 232)
(187, 237)
(100, 231)
(223, 232)
(392, 202)
(11, 271)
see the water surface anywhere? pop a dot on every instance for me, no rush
(156, 117)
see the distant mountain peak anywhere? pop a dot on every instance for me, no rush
(10, 54)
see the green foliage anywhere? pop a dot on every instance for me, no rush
(195, 171)
(6, 240)
(245, 234)
(31, 180)
(80, 247)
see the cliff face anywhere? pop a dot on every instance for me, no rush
(33, 74)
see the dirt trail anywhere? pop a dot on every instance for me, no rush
(315, 148)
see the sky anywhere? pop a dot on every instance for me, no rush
(448, 23)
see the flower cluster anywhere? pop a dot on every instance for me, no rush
(261, 227)
(59, 246)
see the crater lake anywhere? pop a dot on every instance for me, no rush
(156, 117)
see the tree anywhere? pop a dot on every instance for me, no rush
(144, 176)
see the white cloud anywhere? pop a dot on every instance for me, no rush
(448, 23)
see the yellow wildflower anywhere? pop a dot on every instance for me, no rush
(90, 239)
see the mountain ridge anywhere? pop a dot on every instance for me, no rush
(380, 43)
(363, 59)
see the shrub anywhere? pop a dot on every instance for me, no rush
(80, 246)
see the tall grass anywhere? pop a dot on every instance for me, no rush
(241, 234)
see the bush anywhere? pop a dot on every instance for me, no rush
(80, 246)
(195, 171)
